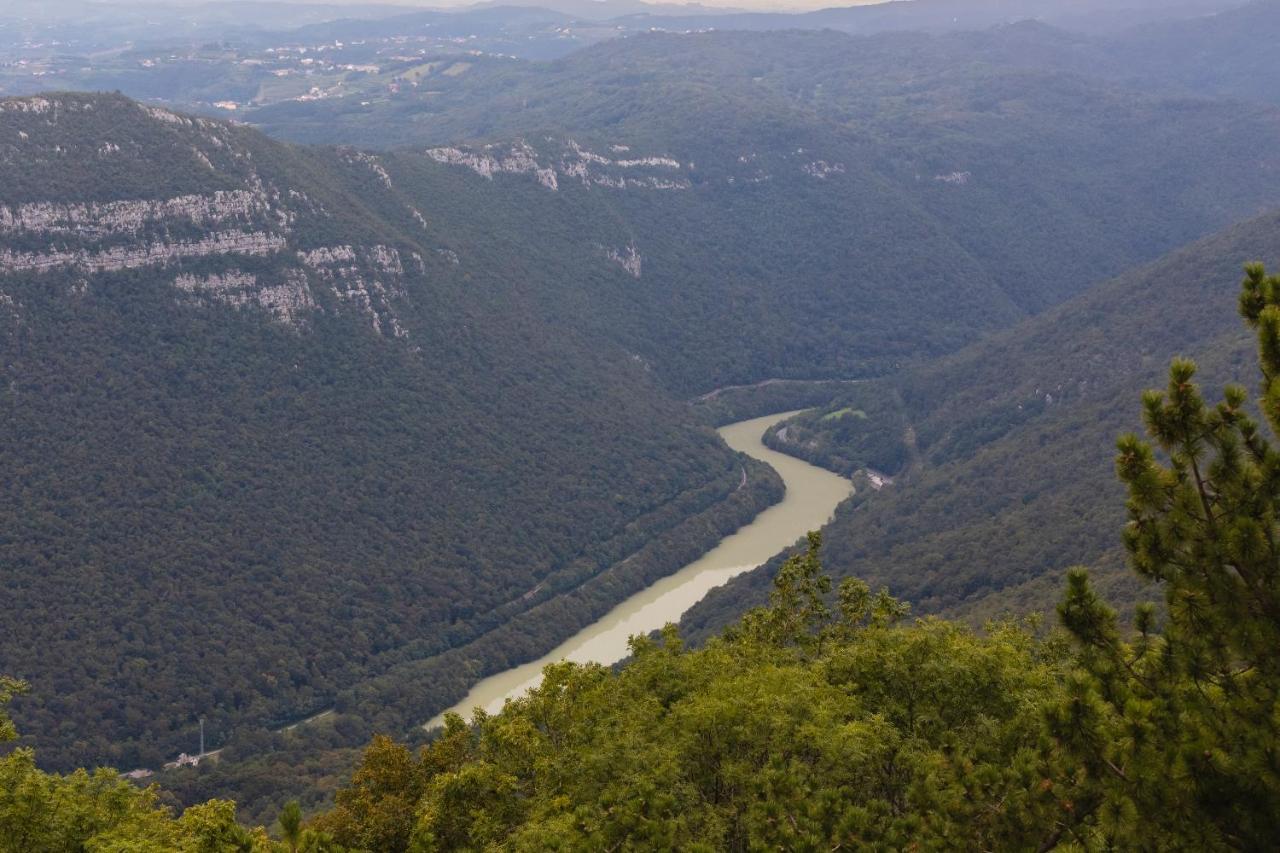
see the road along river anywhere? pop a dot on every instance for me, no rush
(811, 498)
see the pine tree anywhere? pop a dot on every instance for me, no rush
(1177, 732)
(291, 825)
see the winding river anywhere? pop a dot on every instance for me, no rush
(811, 497)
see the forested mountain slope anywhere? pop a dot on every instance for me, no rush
(272, 431)
(1208, 55)
(810, 160)
(809, 174)
(1020, 164)
(1005, 449)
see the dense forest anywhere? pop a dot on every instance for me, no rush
(1006, 442)
(247, 398)
(810, 158)
(829, 718)
(223, 515)
(299, 431)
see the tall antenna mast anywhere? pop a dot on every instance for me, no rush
(202, 737)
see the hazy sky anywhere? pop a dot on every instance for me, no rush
(761, 5)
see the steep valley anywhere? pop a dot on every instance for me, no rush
(314, 421)
(247, 398)
(1005, 449)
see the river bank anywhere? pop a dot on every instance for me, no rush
(811, 497)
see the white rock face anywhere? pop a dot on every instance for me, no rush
(160, 114)
(346, 270)
(385, 259)
(586, 156)
(520, 159)
(198, 242)
(27, 105)
(822, 170)
(129, 217)
(159, 253)
(573, 162)
(289, 302)
(665, 162)
(375, 166)
(628, 259)
(328, 256)
(202, 158)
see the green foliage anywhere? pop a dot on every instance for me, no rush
(798, 729)
(100, 812)
(46, 813)
(375, 812)
(797, 608)
(291, 825)
(194, 495)
(9, 687)
(805, 727)
(863, 427)
(1179, 724)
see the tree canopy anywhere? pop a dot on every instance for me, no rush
(828, 719)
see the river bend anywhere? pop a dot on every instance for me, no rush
(811, 498)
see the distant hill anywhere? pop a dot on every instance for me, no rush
(938, 16)
(272, 431)
(1008, 480)
(843, 183)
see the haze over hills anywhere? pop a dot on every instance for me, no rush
(218, 56)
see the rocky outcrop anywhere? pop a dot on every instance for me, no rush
(198, 241)
(158, 253)
(288, 301)
(661, 162)
(374, 165)
(519, 159)
(366, 278)
(822, 170)
(627, 258)
(37, 105)
(130, 217)
(568, 161)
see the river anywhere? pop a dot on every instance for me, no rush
(811, 497)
